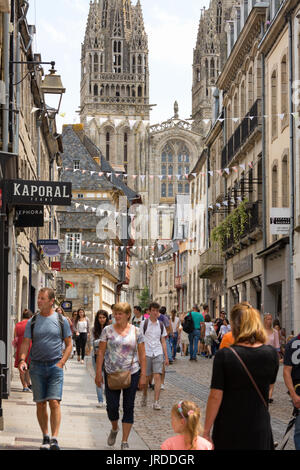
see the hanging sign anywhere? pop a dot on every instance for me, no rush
(47, 241)
(51, 250)
(52, 193)
(56, 265)
(280, 220)
(29, 216)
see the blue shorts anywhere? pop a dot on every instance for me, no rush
(47, 381)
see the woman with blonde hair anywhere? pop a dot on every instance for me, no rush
(237, 406)
(121, 349)
(185, 417)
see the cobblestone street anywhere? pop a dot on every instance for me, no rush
(190, 380)
(184, 380)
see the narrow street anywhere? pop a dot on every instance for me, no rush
(85, 427)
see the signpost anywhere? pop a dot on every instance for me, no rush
(53, 193)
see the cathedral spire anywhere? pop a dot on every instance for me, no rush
(139, 40)
(115, 75)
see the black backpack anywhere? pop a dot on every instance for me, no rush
(61, 322)
(188, 323)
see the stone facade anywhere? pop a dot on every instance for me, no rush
(92, 247)
(280, 46)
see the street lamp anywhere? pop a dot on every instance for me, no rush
(52, 85)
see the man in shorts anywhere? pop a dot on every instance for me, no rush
(48, 332)
(155, 344)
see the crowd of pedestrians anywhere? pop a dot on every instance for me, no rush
(130, 351)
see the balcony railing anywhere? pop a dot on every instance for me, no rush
(254, 221)
(250, 122)
(211, 263)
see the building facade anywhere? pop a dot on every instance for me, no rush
(94, 241)
(30, 154)
(280, 51)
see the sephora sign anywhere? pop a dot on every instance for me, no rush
(52, 193)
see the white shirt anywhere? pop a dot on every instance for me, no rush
(224, 329)
(82, 326)
(208, 327)
(152, 338)
(174, 324)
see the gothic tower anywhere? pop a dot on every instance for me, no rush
(115, 81)
(209, 59)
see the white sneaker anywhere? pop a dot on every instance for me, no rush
(101, 404)
(156, 406)
(162, 387)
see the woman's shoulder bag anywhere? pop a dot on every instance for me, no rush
(122, 379)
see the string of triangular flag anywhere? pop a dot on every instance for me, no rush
(101, 212)
(179, 177)
(234, 119)
(111, 244)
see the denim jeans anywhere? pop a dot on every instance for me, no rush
(169, 349)
(47, 381)
(194, 339)
(174, 340)
(297, 432)
(98, 389)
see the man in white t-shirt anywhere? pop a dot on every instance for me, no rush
(155, 344)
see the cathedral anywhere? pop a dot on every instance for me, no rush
(155, 160)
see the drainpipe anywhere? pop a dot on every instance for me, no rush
(292, 184)
(6, 35)
(264, 188)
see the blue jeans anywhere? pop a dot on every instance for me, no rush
(194, 339)
(169, 349)
(297, 432)
(174, 340)
(47, 381)
(98, 389)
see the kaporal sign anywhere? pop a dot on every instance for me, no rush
(52, 193)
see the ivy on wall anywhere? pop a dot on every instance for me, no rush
(233, 225)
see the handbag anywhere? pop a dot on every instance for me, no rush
(121, 380)
(250, 377)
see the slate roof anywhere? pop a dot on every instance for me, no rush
(74, 149)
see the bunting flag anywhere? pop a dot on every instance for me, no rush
(185, 176)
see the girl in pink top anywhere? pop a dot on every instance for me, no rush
(186, 423)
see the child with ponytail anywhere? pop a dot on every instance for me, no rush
(186, 423)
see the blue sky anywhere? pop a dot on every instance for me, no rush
(171, 26)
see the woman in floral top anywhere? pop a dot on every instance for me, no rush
(121, 348)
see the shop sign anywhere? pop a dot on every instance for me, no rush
(50, 247)
(29, 216)
(52, 193)
(243, 267)
(51, 250)
(47, 241)
(280, 220)
(66, 306)
(56, 265)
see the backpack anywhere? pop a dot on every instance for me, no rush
(61, 323)
(146, 326)
(142, 319)
(188, 323)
